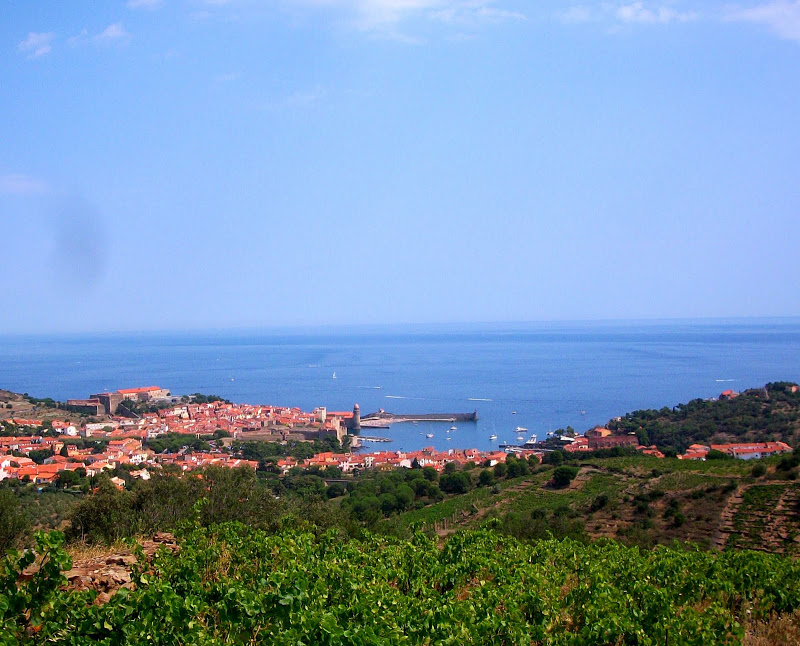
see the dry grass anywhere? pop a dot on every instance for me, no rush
(82, 552)
(779, 630)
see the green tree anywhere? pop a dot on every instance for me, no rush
(40, 455)
(516, 467)
(430, 474)
(486, 478)
(455, 483)
(563, 475)
(104, 516)
(335, 490)
(554, 457)
(67, 478)
(13, 522)
(405, 496)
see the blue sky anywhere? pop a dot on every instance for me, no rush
(192, 164)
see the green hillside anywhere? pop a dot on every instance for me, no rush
(764, 414)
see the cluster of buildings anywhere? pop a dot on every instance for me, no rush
(126, 435)
(242, 421)
(15, 463)
(387, 460)
(604, 438)
(107, 403)
(742, 451)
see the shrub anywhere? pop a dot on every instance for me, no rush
(13, 522)
(599, 502)
(563, 475)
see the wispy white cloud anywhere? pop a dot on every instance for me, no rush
(228, 77)
(627, 13)
(576, 14)
(385, 15)
(298, 99)
(37, 44)
(780, 16)
(115, 32)
(19, 184)
(641, 13)
(302, 99)
(144, 4)
(475, 10)
(77, 39)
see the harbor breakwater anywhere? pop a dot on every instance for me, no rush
(383, 418)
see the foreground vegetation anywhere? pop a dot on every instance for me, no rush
(231, 584)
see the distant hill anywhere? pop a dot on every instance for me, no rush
(771, 413)
(16, 405)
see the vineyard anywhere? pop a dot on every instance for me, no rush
(767, 518)
(230, 584)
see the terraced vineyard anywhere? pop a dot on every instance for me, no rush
(640, 501)
(767, 518)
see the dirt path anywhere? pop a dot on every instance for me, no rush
(725, 526)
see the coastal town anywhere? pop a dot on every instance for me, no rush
(124, 439)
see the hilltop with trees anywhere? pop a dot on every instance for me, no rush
(767, 414)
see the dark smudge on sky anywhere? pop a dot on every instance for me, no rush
(80, 240)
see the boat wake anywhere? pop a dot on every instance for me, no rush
(478, 399)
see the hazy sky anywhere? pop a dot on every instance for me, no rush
(188, 163)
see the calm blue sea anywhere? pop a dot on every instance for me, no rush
(552, 375)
